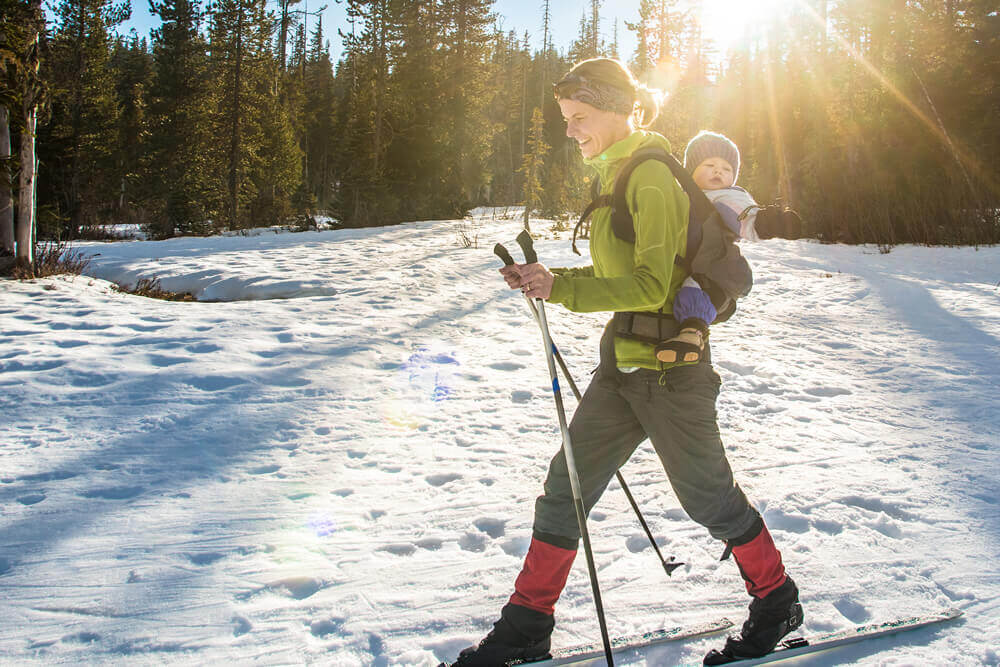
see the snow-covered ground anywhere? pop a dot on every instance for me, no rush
(332, 458)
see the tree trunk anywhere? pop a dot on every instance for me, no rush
(26, 193)
(283, 33)
(546, 17)
(6, 202)
(76, 125)
(24, 240)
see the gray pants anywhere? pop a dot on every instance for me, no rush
(675, 409)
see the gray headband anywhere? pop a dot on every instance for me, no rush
(597, 94)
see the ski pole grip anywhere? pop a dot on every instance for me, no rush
(502, 253)
(527, 247)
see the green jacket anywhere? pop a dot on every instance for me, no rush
(625, 276)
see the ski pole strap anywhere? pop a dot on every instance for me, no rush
(646, 327)
(527, 247)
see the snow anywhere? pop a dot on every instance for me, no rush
(332, 457)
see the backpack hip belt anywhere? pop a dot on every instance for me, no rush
(646, 327)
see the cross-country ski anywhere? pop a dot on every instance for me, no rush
(588, 653)
(802, 645)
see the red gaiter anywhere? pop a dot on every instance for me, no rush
(543, 576)
(760, 564)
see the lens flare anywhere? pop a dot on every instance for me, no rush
(426, 379)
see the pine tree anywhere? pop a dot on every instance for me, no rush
(319, 131)
(182, 152)
(79, 142)
(261, 159)
(466, 42)
(531, 168)
(132, 65)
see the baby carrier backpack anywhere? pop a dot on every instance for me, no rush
(712, 257)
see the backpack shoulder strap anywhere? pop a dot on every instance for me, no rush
(621, 219)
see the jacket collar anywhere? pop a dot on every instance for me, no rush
(609, 160)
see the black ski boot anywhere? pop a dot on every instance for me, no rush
(771, 618)
(521, 635)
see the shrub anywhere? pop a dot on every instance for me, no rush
(52, 258)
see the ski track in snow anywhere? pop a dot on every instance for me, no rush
(332, 458)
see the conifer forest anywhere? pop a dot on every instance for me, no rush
(877, 120)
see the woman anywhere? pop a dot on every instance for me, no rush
(633, 396)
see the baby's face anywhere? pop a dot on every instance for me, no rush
(713, 174)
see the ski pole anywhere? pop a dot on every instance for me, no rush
(668, 566)
(524, 240)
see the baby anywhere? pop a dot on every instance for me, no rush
(714, 162)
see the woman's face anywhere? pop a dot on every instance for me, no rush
(593, 130)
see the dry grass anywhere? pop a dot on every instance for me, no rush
(151, 289)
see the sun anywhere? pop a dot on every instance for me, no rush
(726, 22)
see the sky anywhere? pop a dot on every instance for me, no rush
(724, 21)
(518, 15)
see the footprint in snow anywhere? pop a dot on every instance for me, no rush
(495, 528)
(214, 382)
(70, 343)
(47, 476)
(32, 499)
(778, 520)
(639, 542)
(90, 380)
(143, 327)
(399, 549)
(264, 470)
(202, 348)
(327, 626)
(506, 366)
(114, 492)
(442, 479)
(430, 544)
(516, 547)
(82, 638)
(205, 558)
(827, 392)
(298, 588)
(852, 611)
(472, 542)
(520, 396)
(241, 626)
